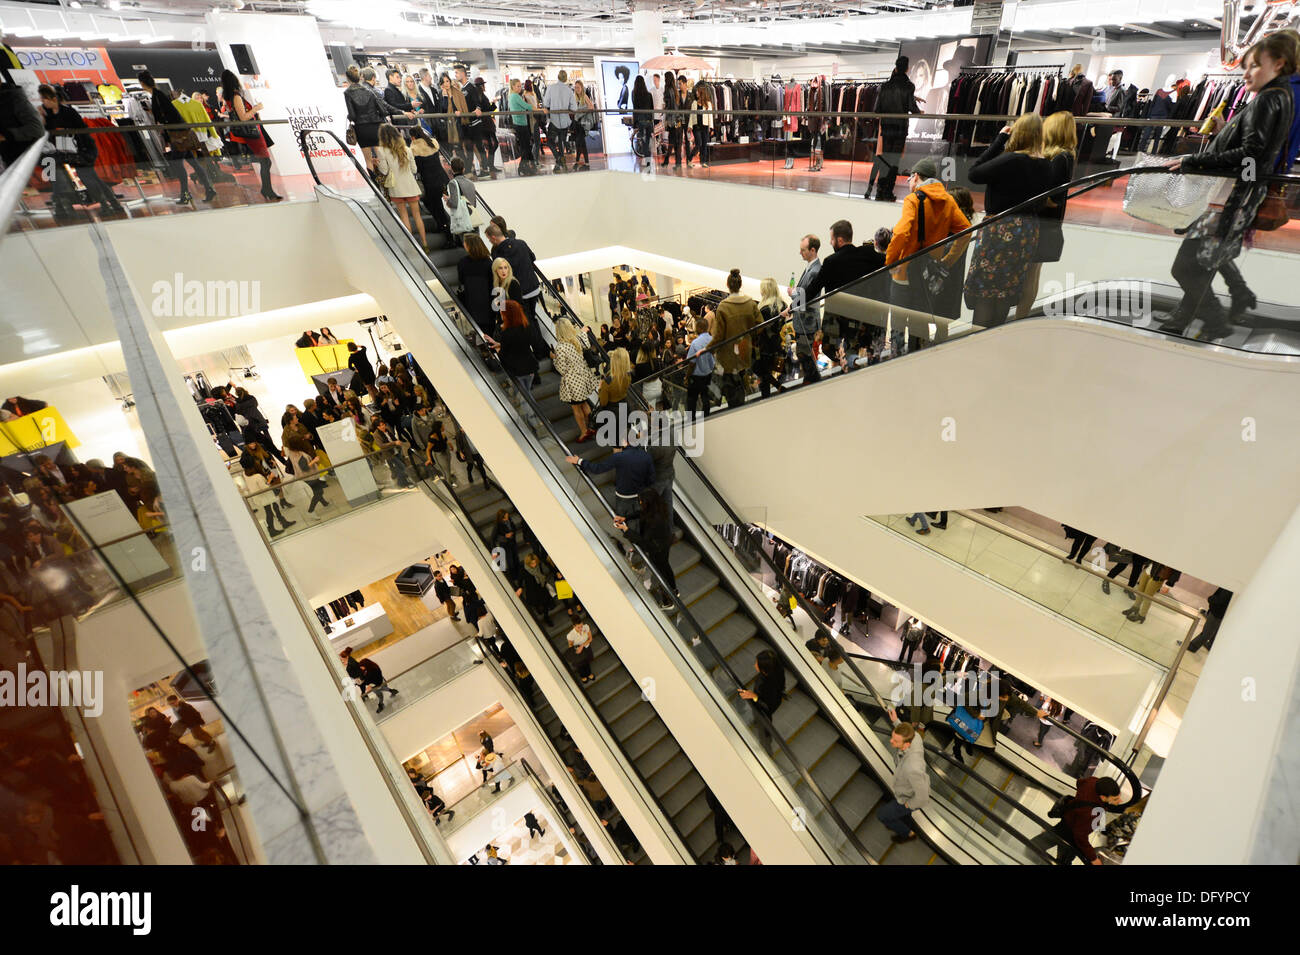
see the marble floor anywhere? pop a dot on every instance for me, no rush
(1053, 583)
(517, 847)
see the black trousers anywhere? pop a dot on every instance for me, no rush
(557, 137)
(579, 143)
(1134, 573)
(893, 138)
(177, 165)
(1082, 544)
(674, 145)
(698, 391)
(1197, 283)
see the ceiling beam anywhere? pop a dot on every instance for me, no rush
(1155, 31)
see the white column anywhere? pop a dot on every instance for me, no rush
(647, 30)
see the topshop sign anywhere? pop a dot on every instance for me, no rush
(61, 58)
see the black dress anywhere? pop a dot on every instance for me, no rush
(475, 276)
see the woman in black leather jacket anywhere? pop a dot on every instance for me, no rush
(1248, 145)
(367, 110)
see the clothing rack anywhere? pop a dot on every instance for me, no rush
(1012, 68)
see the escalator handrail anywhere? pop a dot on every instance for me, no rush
(592, 711)
(494, 366)
(1085, 184)
(1125, 770)
(779, 574)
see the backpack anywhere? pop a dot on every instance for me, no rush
(457, 209)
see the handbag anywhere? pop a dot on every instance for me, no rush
(1273, 212)
(351, 136)
(1172, 200)
(934, 272)
(966, 726)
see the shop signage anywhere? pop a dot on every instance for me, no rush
(61, 58)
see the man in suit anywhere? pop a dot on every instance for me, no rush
(335, 393)
(477, 129)
(443, 592)
(847, 263)
(806, 319)
(428, 98)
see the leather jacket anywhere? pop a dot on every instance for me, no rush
(1258, 133)
(365, 105)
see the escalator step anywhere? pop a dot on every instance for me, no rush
(683, 557)
(732, 633)
(633, 719)
(792, 714)
(858, 798)
(695, 583)
(644, 739)
(710, 611)
(681, 795)
(620, 703)
(657, 756)
(670, 774)
(813, 741)
(833, 772)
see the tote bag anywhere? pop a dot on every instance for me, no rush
(1172, 200)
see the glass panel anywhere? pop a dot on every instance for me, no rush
(115, 170)
(1069, 589)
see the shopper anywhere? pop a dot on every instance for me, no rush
(1214, 613)
(634, 472)
(478, 131)
(1013, 171)
(474, 273)
(736, 315)
(60, 116)
(673, 117)
(452, 106)
(897, 95)
(437, 807)
(611, 394)
(580, 652)
(643, 120)
(367, 111)
(395, 165)
(806, 317)
(253, 137)
(1048, 710)
(504, 542)
(767, 341)
(926, 284)
(702, 364)
(1157, 577)
(559, 103)
(521, 120)
(585, 120)
(1080, 545)
(257, 487)
(1079, 816)
(530, 819)
(577, 381)
(702, 121)
(305, 461)
(910, 783)
(847, 264)
(521, 258)
(768, 693)
(1123, 559)
(1060, 142)
(442, 591)
(360, 364)
(183, 143)
(1252, 145)
(655, 538)
(428, 165)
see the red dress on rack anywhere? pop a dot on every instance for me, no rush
(114, 161)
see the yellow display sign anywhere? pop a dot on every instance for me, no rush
(39, 429)
(323, 358)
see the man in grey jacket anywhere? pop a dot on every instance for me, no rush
(806, 319)
(559, 102)
(911, 782)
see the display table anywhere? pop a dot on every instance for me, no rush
(369, 624)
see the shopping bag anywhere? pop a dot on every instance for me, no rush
(1172, 200)
(966, 726)
(563, 590)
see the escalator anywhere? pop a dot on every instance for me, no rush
(828, 752)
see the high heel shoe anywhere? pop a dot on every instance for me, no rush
(270, 196)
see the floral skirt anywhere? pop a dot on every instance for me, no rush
(1003, 253)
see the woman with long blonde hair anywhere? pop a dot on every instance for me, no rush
(1059, 144)
(577, 381)
(1012, 171)
(767, 363)
(396, 166)
(613, 388)
(503, 277)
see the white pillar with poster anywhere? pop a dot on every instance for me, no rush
(616, 79)
(280, 60)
